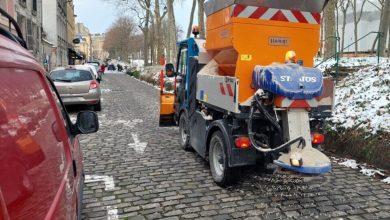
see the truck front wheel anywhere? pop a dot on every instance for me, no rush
(222, 174)
(184, 134)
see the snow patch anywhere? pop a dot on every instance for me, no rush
(349, 62)
(362, 100)
(106, 90)
(370, 172)
(350, 163)
(363, 169)
(387, 180)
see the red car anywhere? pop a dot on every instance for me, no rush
(41, 170)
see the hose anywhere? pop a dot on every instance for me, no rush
(260, 146)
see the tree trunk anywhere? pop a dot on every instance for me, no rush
(172, 36)
(355, 26)
(201, 19)
(330, 29)
(158, 30)
(322, 36)
(388, 46)
(384, 28)
(152, 42)
(146, 31)
(356, 20)
(189, 30)
(343, 32)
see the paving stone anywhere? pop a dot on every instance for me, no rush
(166, 182)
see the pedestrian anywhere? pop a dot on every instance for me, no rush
(102, 68)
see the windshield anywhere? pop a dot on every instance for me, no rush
(71, 75)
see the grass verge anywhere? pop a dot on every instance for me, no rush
(360, 145)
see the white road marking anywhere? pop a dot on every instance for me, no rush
(108, 181)
(112, 211)
(138, 146)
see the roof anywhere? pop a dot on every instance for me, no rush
(212, 6)
(77, 67)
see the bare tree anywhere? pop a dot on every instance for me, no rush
(380, 8)
(201, 19)
(118, 36)
(189, 30)
(357, 15)
(384, 27)
(343, 5)
(330, 29)
(172, 33)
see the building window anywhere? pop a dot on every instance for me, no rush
(23, 3)
(34, 5)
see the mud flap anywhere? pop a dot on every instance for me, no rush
(301, 158)
(167, 110)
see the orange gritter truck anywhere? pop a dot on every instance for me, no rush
(248, 94)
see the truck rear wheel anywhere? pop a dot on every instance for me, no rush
(184, 134)
(222, 174)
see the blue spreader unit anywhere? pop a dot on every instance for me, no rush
(307, 170)
(289, 80)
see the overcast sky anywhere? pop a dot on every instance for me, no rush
(98, 15)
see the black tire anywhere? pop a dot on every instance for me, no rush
(184, 139)
(98, 107)
(223, 175)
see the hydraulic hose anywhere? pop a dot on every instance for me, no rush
(263, 147)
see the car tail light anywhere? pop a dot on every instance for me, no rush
(317, 138)
(93, 85)
(242, 142)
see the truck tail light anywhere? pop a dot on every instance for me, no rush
(317, 138)
(242, 142)
(93, 85)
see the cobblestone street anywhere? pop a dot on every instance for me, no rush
(136, 170)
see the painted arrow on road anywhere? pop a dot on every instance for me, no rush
(138, 146)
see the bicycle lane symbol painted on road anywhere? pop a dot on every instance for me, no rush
(112, 211)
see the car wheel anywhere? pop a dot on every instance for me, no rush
(222, 174)
(183, 131)
(98, 107)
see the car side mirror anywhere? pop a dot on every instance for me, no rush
(170, 70)
(87, 122)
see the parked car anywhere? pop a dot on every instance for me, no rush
(77, 85)
(41, 166)
(111, 67)
(97, 74)
(96, 64)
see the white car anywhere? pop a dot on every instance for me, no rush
(93, 69)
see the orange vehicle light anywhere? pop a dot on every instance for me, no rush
(317, 138)
(242, 142)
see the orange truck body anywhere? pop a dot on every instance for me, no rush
(239, 44)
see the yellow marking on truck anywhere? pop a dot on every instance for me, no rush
(246, 57)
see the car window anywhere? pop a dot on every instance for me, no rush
(183, 62)
(71, 75)
(64, 113)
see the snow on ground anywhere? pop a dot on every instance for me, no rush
(349, 62)
(362, 100)
(153, 72)
(363, 168)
